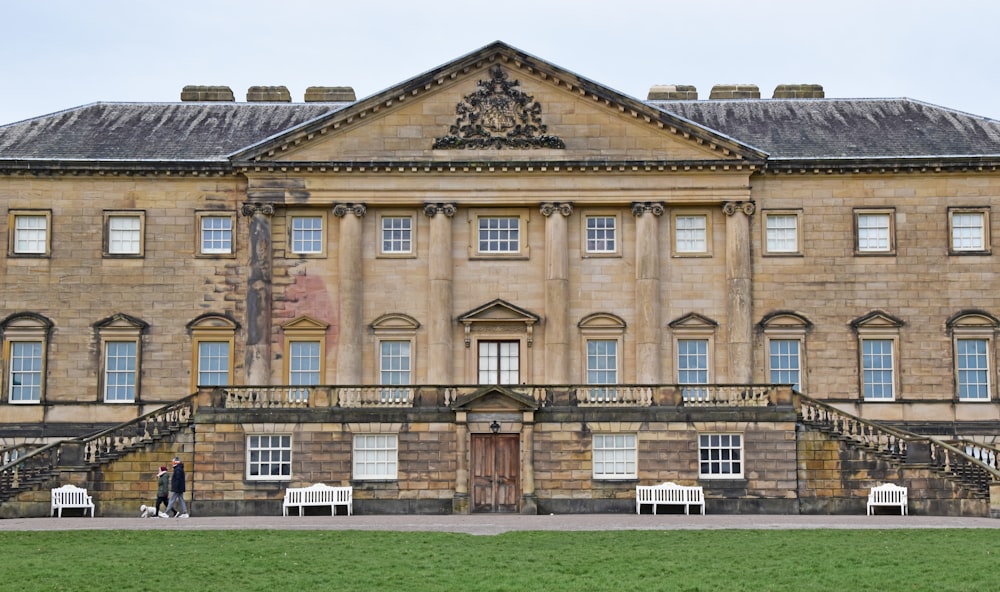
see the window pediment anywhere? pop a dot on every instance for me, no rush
(693, 320)
(494, 398)
(876, 320)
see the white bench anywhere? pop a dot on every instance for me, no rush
(670, 494)
(71, 496)
(888, 494)
(318, 494)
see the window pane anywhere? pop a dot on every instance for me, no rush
(973, 369)
(307, 234)
(213, 363)
(601, 234)
(499, 235)
(397, 234)
(216, 235)
(119, 371)
(375, 456)
(614, 456)
(499, 362)
(124, 235)
(873, 232)
(967, 231)
(30, 234)
(25, 378)
(269, 457)
(303, 363)
(785, 362)
(691, 234)
(782, 233)
(721, 455)
(876, 356)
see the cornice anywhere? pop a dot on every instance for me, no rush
(514, 167)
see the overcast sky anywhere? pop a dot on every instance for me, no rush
(59, 54)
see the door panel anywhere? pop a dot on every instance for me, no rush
(496, 479)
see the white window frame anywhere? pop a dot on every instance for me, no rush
(615, 456)
(601, 240)
(961, 234)
(124, 232)
(717, 453)
(212, 364)
(211, 329)
(689, 238)
(278, 450)
(392, 372)
(30, 240)
(782, 239)
(375, 457)
(869, 370)
(120, 384)
(875, 232)
(502, 371)
(307, 241)
(693, 391)
(216, 241)
(980, 327)
(478, 217)
(17, 372)
(402, 240)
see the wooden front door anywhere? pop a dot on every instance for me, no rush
(496, 475)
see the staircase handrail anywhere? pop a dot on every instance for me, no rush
(115, 441)
(956, 458)
(39, 464)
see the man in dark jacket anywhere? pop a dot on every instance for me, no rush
(177, 489)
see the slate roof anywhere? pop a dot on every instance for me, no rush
(177, 132)
(786, 129)
(844, 128)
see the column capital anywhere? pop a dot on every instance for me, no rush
(731, 207)
(251, 208)
(432, 209)
(565, 208)
(641, 207)
(342, 209)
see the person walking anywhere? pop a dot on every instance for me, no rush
(177, 488)
(162, 489)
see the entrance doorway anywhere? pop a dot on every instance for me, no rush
(496, 475)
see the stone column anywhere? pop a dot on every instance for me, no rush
(257, 361)
(647, 292)
(351, 289)
(529, 502)
(557, 323)
(738, 286)
(460, 503)
(440, 275)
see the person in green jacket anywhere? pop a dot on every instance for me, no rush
(162, 491)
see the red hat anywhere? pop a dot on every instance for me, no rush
(162, 471)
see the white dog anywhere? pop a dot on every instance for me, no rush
(147, 511)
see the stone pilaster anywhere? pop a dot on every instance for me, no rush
(351, 289)
(738, 285)
(257, 363)
(440, 276)
(460, 503)
(529, 503)
(647, 292)
(557, 323)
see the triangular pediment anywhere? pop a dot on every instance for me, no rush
(877, 320)
(693, 320)
(498, 311)
(494, 398)
(305, 323)
(498, 105)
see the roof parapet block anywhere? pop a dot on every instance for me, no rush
(269, 94)
(197, 93)
(799, 91)
(323, 94)
(672, 92)
(735, 91)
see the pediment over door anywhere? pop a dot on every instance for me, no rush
(499, 314)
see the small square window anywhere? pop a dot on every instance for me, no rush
(875, 232)
(614, 456)
(691, 235)
(969, 231)
(29, 233)
(781, 233)
(498, 234)
(601, 234)
(269, 457)
(306, 235)
(396, 235)
(215, 233)
(123, 234)
(720, 456)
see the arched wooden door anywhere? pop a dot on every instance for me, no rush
(496, 475)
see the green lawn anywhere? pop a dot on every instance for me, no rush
(272, 561)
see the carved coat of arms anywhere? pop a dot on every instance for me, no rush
(498, 115)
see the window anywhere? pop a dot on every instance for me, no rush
(878, 370)
(123, 233)
(601, 235)
(119, 371)
(691, 234)
(213, 336)
(305, 352)
(29, 234)
(720, 456)
(397, 235)
(269, 457)
(969, 231)
(394, 369)
(25, 378)
(375, 456)
(614, 456)
(874, 230)
(25, 338)
(781, 233)
(307, 235)
(692, 366)
(784, 362)
(498, 234)
(602, 367)
(215, 233)
(499, 362)
(973, 369)
(213, 363)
